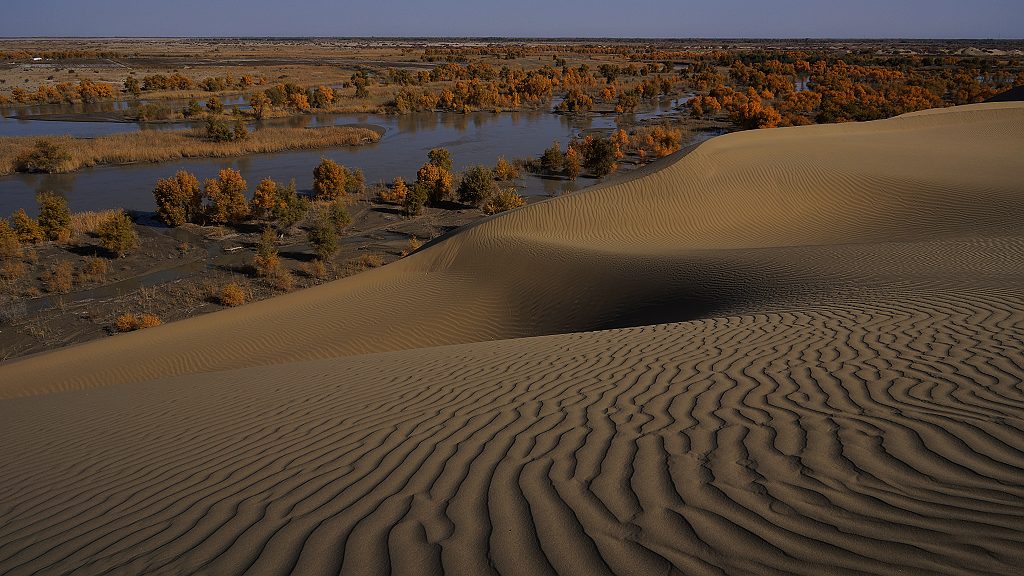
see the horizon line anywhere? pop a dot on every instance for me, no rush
(523, 38)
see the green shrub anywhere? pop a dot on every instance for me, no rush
(323, 237)
(476, 185)
(117, 234)
(338, 213)
(355, 183)
(219, 130)
(552, 159)
(290, 208)
(266, 262)
(415, 198)
(54, 216)
(599, 157)
(502, 201)
(46, 156)
(192, 109)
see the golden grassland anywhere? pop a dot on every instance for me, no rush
(160, 146)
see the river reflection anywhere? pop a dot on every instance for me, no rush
(475, 138)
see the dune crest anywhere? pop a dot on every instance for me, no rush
(790, 351)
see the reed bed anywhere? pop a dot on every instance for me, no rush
(161, 146)
(85, 223)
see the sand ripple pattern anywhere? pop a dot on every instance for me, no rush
(861, 439)
(787, 352)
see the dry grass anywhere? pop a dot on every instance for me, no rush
(283, 280)
(160, 146)
(370, 261)
(413, 245)
(59, 279)
(231, 295)
(502, 201)
(84, 223)
(94, 269)
(316, 269)
(11, 273)
(132, 322)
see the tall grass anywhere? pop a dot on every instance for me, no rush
(84, 223)
(161, 146)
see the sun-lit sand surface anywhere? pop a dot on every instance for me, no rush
(789, 351)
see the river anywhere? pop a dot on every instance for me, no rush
(475, 138)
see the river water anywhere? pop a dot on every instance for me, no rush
(475, 138)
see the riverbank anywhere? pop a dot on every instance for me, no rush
(57, 294)
(162, 146)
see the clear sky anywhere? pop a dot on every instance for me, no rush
(537, 18)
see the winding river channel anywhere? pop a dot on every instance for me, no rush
(475, 138)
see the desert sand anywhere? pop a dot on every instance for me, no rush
(787, 351)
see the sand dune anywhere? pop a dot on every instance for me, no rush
(791, 351)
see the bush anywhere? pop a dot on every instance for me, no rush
(46, 156)
(552, 160)
(131, 85)
(576, 101)
(26, 228)
(59, 278)
(572, 166)
(502, 201)
(231, 295)
(413, 245)
(599, 156)
(316, 269)
(370, 261)
(132, 322)
(291, 208)
(214, 105)
(505, 170)
(355, 183)
(54, 216)
(219, 130)
(260, 104)
(11, 272)
(95, 268)
(239, 132)
(415, 199)
(323, 237)
(118, 235)
(476, 185)
(441, 158)
(283, 281)
(191, 109)
(338, 213)
(266, 262)
(264, 199)
(150, 112)
(329, 180)
(10, 245)
(178, 199)
(226, 198)
(396, 193)
(436, 182)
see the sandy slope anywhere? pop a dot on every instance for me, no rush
(811, 363)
